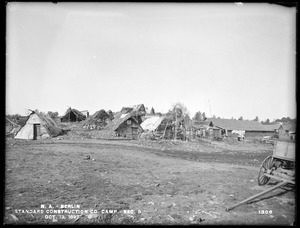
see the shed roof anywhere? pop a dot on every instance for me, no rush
(245, 125)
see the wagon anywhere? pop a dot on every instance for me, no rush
(280, 165)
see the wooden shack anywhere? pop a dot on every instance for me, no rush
(126, 125)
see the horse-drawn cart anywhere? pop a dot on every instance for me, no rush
(279, 166)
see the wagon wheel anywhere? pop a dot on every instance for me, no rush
(267, 164)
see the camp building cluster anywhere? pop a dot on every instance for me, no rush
(134, 122)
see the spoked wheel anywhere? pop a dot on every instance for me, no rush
(267, 164)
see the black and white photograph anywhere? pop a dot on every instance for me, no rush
(139, 113)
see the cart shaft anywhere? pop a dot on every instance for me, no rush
(291, 181)
(257, 195)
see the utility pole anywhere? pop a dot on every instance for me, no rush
(209, 109)
(175, 137)
(69, 113)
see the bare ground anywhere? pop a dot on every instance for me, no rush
(161, 182)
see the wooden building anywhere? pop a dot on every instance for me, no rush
(126, 125)
(287, 131)
(253, 129)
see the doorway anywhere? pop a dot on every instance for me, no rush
(134, 132)
(36, 131)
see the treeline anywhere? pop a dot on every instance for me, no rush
(282, 120)
(200, 116)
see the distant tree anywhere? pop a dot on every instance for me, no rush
(198, 116)
(152, 112)
(288, 120)
(240, 118)
(232, 118)
(179, 114)
(214, 116)
(256, 119)
(43, 113)
(15, 118)
(204, 116)
(53, 114)
(187, 119)
(284, 119)
(266, 122)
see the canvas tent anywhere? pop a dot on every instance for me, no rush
(97, 121)
(72, 115)
(38, 126)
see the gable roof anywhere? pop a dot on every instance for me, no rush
(119, 119)
(245, 125)
(99, 115)
(47, 122)
(138, 109)
(152, 123)
(77, 113)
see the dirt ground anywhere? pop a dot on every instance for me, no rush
(140, 182)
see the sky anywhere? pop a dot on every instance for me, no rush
(224, 59)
